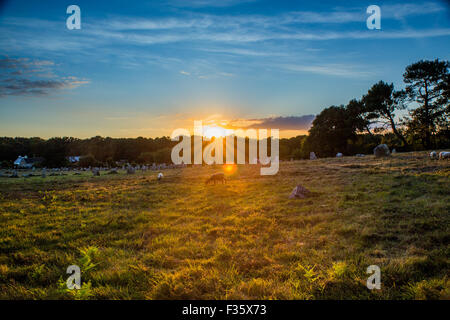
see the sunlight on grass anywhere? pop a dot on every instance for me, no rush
(136, 238)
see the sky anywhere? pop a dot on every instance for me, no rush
(145, 68)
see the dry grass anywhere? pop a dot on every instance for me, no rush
(135, 237)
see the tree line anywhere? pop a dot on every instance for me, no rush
(353, 128)
(96, 151)
(375, 117)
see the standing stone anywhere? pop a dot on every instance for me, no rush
(299, 192)
(44, 172)
(96, 172)
(339, 155)
(113, 171)
(381, 150)
(312, 156)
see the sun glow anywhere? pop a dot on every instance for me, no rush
(214, 131)
(229, 168)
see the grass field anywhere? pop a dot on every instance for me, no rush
(137, 238)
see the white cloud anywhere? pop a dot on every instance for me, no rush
(27, 77)
(208, 3)
(340, 70)
(264, 38)
(217, 22)
(20, 33)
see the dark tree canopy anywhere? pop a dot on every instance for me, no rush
(380, 104)
(357, 112)
(331, 130)
(339, 129)
(427, 85)
(348, 129)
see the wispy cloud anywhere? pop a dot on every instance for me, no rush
(401, 10)
(339, 70)
(208, 3)
(194, 26)
(281, 123)
(260, 37)
(390, 11)
(26, 77)
(210, 21)
(244, 52)
(24, 65)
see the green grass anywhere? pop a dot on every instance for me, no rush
(137, 238)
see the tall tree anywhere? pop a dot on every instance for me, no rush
(380, 104)
(363, 119)
(427, 85)
(444, 101)
(331, 130)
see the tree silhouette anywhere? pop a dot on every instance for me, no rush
(427, 85)
(331, 130)
(380, 104)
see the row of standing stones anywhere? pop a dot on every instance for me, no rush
(95, 171)
(381, 150)
(301, 192)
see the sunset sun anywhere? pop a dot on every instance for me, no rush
(214, 131)
(225, 158)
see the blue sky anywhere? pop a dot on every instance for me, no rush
(145, 68)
